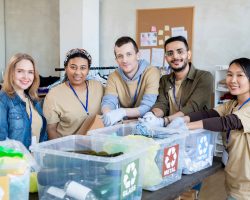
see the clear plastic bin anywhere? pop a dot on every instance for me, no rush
(199, 149)
(111, 178)
(163, 164)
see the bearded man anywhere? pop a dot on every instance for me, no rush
(185, 90)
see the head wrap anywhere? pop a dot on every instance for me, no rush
(77, 52)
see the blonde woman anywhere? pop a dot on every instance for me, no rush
(21, 115)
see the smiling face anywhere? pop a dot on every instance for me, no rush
(177, 55)
(127, 59)
(77, 70)
(237, 81)
(23, 75)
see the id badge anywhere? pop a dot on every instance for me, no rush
(224, 157)
(33, 141)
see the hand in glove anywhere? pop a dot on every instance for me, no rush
(113, 116)
(147, 117)
(178, 123)
(150, 119)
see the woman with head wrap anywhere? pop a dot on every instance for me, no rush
(71, 106)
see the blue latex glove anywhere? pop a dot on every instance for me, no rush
(145, 130)
(150, 120)
(113, 116)
(141, 129)
(178, 123)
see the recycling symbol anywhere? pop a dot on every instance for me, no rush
(130, 175)
(171, 157)
(203, 145)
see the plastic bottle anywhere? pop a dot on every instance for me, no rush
(54, 193)
(79, 191)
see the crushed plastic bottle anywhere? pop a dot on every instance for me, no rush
(79, 191)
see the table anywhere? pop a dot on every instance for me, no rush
(176, 189)
(187, 182)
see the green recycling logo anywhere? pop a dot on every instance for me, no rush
(129, 178)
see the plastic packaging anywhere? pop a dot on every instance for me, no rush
(19, 147)
(16, 172)
(5, 151)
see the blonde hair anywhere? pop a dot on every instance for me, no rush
(8, 84)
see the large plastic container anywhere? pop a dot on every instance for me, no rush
(14, 171)
(163, 164)
(199, 149)
(66, 173)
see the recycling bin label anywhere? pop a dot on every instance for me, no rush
(170, 160)
(130, 174)
(202, 147)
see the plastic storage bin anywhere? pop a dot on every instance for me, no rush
(14, 171)
(199, 149)
(65, 173)
(162, 167)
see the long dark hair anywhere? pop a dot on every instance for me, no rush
(244, 63)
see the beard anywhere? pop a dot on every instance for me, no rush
(181, 68)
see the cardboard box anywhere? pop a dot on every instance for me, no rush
(91, 123)
(189, 195)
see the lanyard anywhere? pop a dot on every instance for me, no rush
(87, 97)
(136, 91)
(228, 132)
(245, 102)
(175, 99)
(30, 117)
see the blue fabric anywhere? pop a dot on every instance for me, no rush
(110, 101)
(145, 130)
(147, 102)
(143, 64)
(230, 198)
(14, 120)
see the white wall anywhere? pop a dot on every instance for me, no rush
(70, 26)
(221, 28)
(91, 24)
(47, 29)
(33, 27)
(79, 27)
(2, 39)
